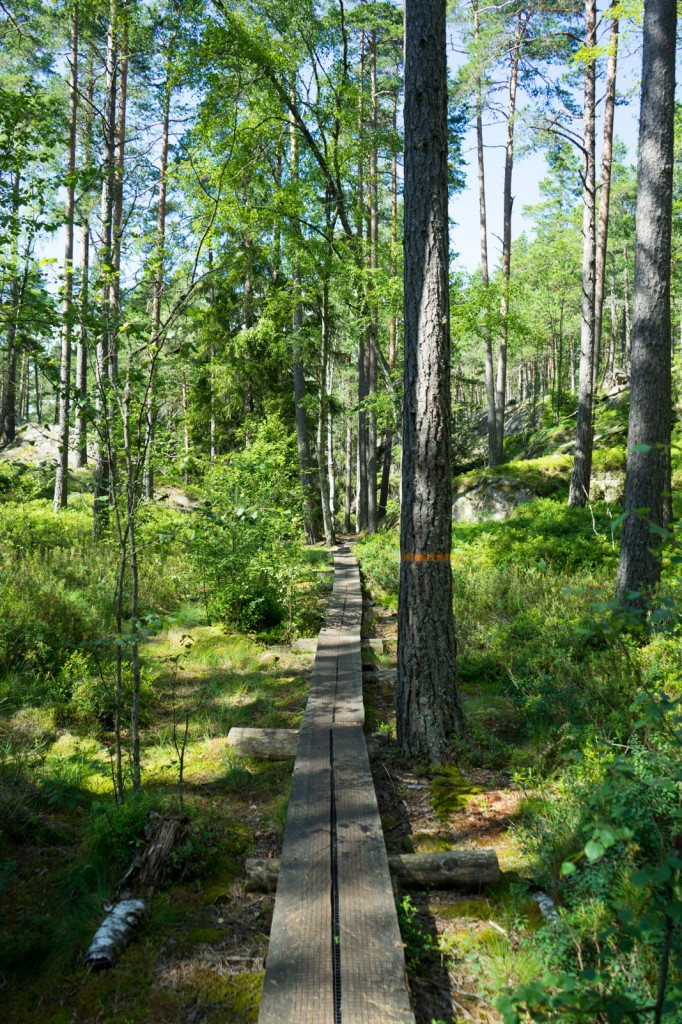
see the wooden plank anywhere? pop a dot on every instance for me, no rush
(298, 985)
(373, 981)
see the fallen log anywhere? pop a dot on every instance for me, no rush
(268, 744)
(451, 869)
(114, 933)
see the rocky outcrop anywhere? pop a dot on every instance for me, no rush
(494, 497)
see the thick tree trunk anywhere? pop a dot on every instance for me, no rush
(605, 194)
(508, 199)
(427, 702)
(582, 462)
(648, 464)
(62, 476)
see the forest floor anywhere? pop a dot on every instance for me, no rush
(199, 955)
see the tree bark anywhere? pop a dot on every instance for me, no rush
(487, 338)
(309, 485)
(117, 209)
(157, 291)
(8, 418)
(102, 473)
(393, 319)
(605, 194)
(81, 442)
(322, 427)
(361, 504)
(61, 491)
(373, 311)
(427, 702)
(348, 497)
(648, 464)
(582, 462)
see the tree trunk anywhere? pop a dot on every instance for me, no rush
(487, 337)
(393, 320)
(582, 462)
(373, 311)
(102, 474)
(157, 291)
(361, 504)
(508, 199)
(309, 485)
(605, 194)
(349, 479)
(323, 415)
(8, 419)
(627, 327)
(648, 464)
(117, 210)
(62, 475)
(81, 443)
(427, 701)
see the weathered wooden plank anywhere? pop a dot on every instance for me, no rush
(373, 982)
(298, 985)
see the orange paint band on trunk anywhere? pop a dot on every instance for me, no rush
(411, 556)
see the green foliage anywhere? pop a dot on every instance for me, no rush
(246, 535)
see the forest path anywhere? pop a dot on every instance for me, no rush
(335, 952)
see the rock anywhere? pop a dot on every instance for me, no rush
(608, 486)
(268, 658)
(494, 497)
(307, 645)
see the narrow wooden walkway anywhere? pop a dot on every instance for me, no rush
(335, 954)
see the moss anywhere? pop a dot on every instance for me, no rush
(453, 910)
(220, 880)
(428, 842)
(239, 995)
(451, 792)
(199, 936)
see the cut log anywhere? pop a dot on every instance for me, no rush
(267, 744)
(373, 644)
(452, 869)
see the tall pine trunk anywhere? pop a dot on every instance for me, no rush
(605, 194)
(427, 702)
(647, 480)
(582, 462)
(62, 475)
(483, 217)
(508, 199)
(393, 319)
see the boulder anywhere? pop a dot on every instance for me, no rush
(494, 497)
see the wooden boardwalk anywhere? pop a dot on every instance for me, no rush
(335, 954)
